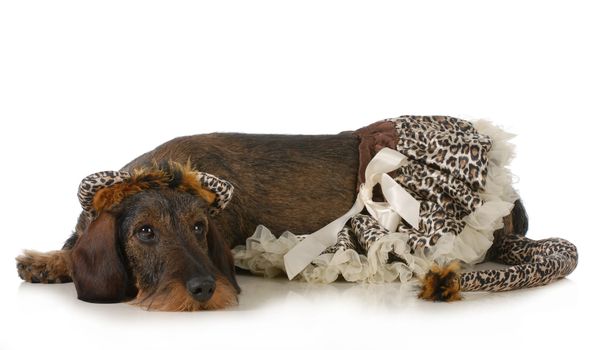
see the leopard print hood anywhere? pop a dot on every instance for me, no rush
(105, 189)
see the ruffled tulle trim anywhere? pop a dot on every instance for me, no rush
(263, 255)
(263, 252)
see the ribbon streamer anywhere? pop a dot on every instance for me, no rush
(399, 203)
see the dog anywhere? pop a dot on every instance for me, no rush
(162, 240)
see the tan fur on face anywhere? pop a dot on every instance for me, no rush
(174, 297)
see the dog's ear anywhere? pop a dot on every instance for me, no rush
(97, 267)
(221, 255)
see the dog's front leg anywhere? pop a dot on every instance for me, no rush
(50, 267)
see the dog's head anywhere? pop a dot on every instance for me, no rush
(150, 238)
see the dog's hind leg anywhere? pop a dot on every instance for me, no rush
(50, 267)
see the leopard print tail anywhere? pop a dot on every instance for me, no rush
(533, 263)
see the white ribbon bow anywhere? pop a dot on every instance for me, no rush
(399, 203)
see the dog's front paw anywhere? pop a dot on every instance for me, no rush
(38, 267)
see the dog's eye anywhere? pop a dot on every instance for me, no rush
(199, 229)
(146, 234)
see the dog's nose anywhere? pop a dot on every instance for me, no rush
(201, 288)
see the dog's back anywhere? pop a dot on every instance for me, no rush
(286, 182)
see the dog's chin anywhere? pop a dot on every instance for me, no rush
(174, 297)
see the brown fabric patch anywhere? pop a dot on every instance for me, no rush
(372, 139)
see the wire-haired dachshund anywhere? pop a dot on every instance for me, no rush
(158, 232)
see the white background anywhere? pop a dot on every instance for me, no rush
(88, 86)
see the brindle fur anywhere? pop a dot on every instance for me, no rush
(286, 182)
(279, 180)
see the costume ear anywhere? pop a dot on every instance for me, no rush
(97, 268)
(93, 183)
(222, 190)
(221, 255)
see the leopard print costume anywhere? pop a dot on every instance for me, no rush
(447, 167)
(447, 171)
(363, 232)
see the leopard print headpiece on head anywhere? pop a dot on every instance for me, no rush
(103, 190)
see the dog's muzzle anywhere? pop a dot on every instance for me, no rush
(201, 288)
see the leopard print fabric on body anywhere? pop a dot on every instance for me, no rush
(346, 239)
(363, 232)
(367, 230)
(447, 167)
(360, 236)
